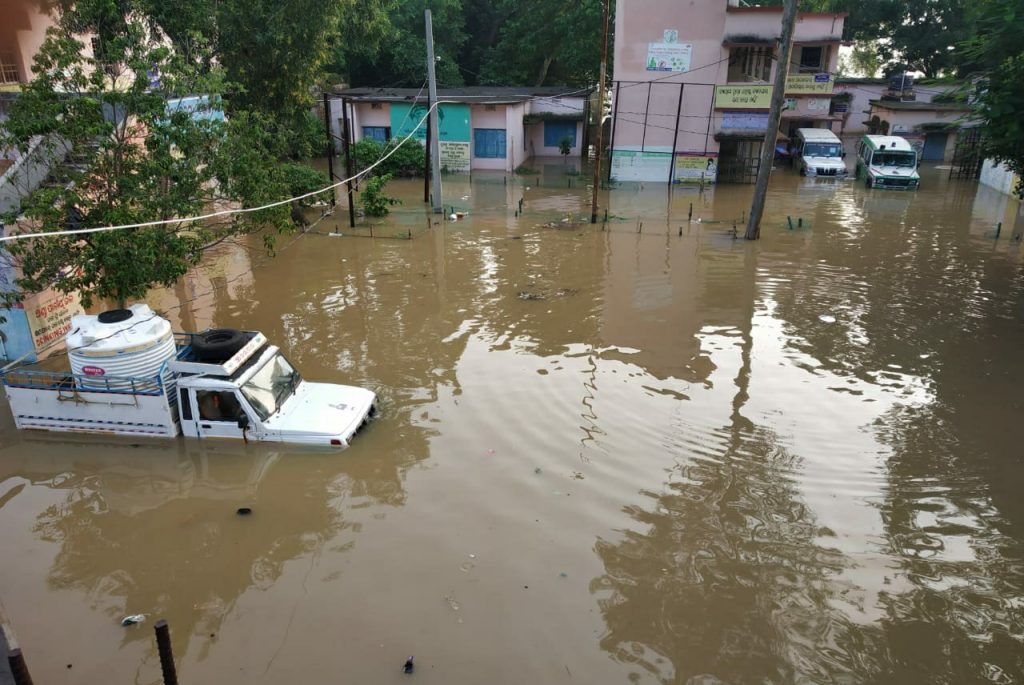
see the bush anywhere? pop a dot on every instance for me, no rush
(407, 162)
(302, 179)
(375, 202)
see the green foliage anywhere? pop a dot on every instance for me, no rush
(478, 42)
(302, 179)
(398, 58)
(524, 170)
(565, 145)
(144, 164)
(407, 162)
(375, 202)
(998, 54)
(543, 42)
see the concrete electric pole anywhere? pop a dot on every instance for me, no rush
(764, 171)
(434, 137)
(600, 112)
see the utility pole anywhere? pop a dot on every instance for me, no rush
(330, 143)
(349, 171)
(600, 111)
(435, 156)
(764, 171)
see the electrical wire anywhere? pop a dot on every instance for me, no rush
(226, 212)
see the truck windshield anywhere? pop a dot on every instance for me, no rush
(907, 159)
(822, 150)
(269, 387)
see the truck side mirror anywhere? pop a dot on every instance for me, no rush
(243, 421)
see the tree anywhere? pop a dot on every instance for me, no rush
(546, 42)
(998, 57)
(137, 154)
(402, 54)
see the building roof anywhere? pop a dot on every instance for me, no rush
(778, 8)
(486, 95)
(913, 106)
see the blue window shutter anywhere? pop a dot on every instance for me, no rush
(378, 133)
(489, 143)
(554, 131)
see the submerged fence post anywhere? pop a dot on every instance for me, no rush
(163, 645)
(18, 668)
(999, 229)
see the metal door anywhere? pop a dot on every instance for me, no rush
(934, 147)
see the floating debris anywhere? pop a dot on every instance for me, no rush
(524, 295)
(133, 619)
(827, 318)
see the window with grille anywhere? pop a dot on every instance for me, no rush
(750, 64)
(382, 134)
(813, 59)
(8, 68)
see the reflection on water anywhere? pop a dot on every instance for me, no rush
(645, 452)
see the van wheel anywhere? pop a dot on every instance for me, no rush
(867, 182)
(217, 344)
(803, 172)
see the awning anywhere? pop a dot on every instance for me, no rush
(538, 117)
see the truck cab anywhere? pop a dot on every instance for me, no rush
(256, 394)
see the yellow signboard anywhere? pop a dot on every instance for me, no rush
(49, 316)
(810, 84)
(743, 97)
(696, 168)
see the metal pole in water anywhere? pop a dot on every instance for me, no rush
(163, 645)
(18, 668)
(790, 220)
(690, 216)
(999, 229)
(800, 222)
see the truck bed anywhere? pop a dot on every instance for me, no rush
(54, 401)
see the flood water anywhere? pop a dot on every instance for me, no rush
(637, 454)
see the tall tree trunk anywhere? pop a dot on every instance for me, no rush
(544, 71)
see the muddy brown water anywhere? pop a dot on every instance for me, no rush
(604, 456)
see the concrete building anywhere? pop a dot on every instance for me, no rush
(931, 127)
(852, 99)
(480, 128)
(693, 86)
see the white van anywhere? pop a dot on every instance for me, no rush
(819, 152)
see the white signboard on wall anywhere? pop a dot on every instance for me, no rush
(633, 165)
(672, 57)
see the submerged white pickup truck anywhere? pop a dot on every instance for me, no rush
(221, 383)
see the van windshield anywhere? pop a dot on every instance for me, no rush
(907, 159)
(269, 387)
(823, 150)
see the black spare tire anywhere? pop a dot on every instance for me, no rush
(217, 344)
(115, 315)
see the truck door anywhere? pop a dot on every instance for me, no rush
(219, 411)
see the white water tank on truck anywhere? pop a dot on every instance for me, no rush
(133, 342)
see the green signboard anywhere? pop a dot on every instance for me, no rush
(452, 120)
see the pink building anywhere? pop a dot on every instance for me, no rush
(693, 85)
(23, 25)
(480, 128)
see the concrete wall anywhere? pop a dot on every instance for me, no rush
(766, 23)
(535, 142)
(998, 177)
(30, 170)
(23, 25)
(863, 93)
